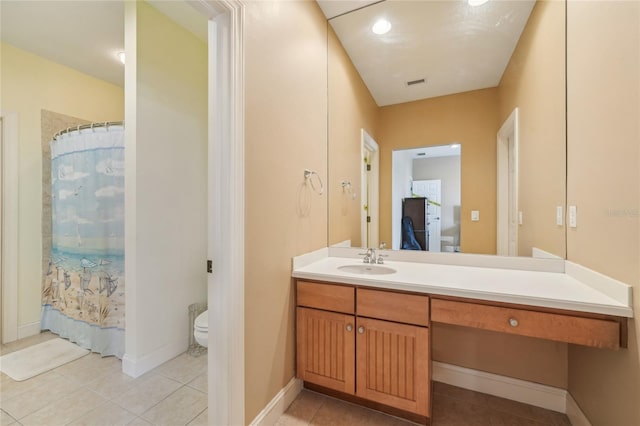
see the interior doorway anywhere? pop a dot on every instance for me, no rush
(432, 173)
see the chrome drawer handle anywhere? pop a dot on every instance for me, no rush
(361, 330)
(513, 322)
(349, 327)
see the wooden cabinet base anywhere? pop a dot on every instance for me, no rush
(416, 418)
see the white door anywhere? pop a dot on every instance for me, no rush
(370, 187)
(431, 190)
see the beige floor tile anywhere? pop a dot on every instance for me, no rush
(6, 419)
(9, 388)
(63, 411)
(146, 392)
(111, 385)
(519, 409)
(183, 368)
(200, 383)
(179, 408)
(40, 395)
(302, 409)
(201, 420)
(139, 421)
(454, 412)
(455, 392)
(90, 367)
(108, 414)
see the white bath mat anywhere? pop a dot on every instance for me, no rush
(26, 363)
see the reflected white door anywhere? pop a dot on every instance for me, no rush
(431, 190)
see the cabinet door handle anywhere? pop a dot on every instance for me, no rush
(513, 322)
(349, 327)
(361, 330)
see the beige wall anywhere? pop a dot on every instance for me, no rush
(534, 82)
(467, 118)
(285, 78)
(604, 183)
(30, 84)
(351, 108)
(165, 184)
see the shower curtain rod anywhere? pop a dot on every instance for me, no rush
(89, 126)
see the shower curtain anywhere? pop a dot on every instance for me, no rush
(83, 292)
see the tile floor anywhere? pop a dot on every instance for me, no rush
(93, 391)
(452, 406)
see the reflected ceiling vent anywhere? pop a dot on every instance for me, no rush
(411, 83)
(421, 154)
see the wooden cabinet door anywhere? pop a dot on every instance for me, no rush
(392, 364)
(326, 349)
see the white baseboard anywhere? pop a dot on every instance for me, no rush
(27, 330)
(530, 393)
(137, 366)
(279, 404)
(575, 414)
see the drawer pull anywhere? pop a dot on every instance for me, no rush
(349, 327)
(513, 322)
(361, 330)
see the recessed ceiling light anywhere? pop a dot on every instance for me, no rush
(121, 56)
(477, 2)
(382, 26)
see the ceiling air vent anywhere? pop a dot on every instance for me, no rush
(411, 83)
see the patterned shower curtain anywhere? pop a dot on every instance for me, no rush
(83, 292)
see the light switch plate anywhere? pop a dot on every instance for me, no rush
(519, 218)
(475, 215)
(573, 217)
(559, 217)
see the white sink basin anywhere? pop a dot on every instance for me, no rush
(367, 269)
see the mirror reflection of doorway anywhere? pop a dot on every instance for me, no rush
(433, 175)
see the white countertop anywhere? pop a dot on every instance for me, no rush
(535, 288)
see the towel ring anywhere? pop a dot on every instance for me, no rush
(308, 176)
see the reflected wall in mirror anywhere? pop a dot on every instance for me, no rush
(479, 66)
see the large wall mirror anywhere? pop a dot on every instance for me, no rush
(447, 125)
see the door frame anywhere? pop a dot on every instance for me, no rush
(225, 234)
(370, 192)
(9, 214)
(504, 149)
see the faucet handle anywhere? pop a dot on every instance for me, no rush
(368, 256)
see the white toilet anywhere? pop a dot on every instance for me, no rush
(201, 329)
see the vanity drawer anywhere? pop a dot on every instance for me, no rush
(398, 307)
(337, 298)
(600, 333)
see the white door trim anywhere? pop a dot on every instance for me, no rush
(509, 127)
(226, 211)
(10, 220)
(371, 185)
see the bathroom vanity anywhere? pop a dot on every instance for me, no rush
(364, 335)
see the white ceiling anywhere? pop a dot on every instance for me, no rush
(451, 150)
(453, 46)
(83, 35)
